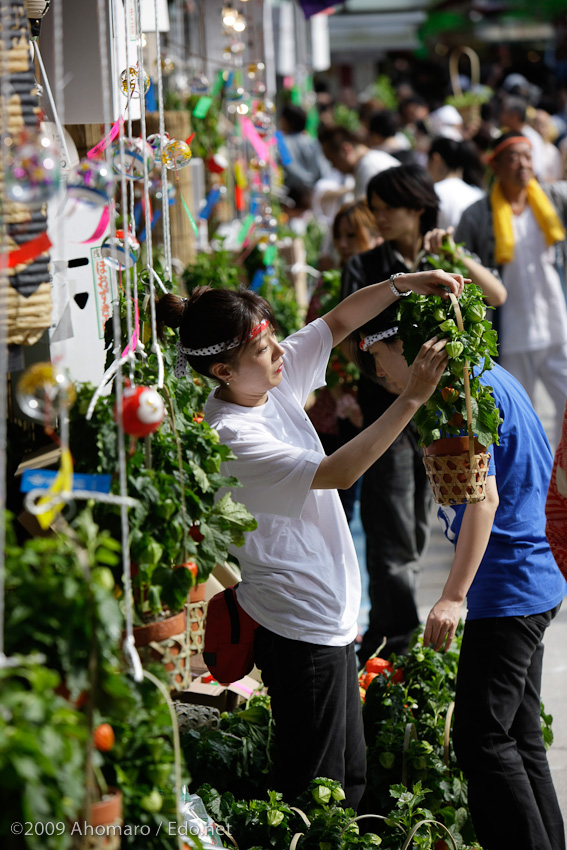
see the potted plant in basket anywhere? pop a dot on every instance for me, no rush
(460, 419)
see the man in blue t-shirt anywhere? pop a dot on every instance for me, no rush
(504, 567)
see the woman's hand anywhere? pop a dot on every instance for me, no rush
(434, 239)
(426, 369)
(442, 624)
(433, 282)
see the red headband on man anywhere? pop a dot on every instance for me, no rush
(513, 140)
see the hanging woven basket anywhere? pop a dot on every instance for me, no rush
(456, 467)
(470, 112)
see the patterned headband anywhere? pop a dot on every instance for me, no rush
(183, 353)
(365, 343)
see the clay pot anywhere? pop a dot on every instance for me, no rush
(107, 811)
(452, 446)
(197, 593)
(163, 629)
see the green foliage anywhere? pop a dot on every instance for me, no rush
(469, 98)
(383, 90)
(141, 764)
(421, 700)
(340, 370)
(345, 117)
(444, 414)
(216, 269)
(271, 823)
(208, 136)
(42, 756)
(237, 756)
(175, 491)
(61, 604)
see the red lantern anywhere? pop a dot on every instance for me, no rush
(142, 410)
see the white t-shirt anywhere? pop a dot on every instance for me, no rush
(300, 574)
(454, 197)
(534, 315)
(368, 166)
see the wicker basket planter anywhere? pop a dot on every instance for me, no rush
(456, 475)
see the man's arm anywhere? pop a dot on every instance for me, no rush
(473, 539)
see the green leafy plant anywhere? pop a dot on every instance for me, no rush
(383, 90)
(422, 317)
(345, 117)
(42, 757)
(174, 479)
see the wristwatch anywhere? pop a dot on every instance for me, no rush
(395, 289)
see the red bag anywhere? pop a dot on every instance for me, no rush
(229, 638)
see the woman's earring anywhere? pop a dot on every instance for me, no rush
(227, 383)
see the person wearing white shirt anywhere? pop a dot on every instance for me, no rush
(456, 171)
(300, 575)
(347, 152)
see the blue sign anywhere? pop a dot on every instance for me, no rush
(42, 479)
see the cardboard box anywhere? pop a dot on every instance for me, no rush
(223, 697)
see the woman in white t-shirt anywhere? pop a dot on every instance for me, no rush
(300, 576)
(457, 172)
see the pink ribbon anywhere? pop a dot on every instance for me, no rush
(250, 133)
(131, 347)
(104, 143)
(100, 228)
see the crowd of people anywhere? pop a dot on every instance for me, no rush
(408, 185)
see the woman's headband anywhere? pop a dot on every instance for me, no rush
(368, 341)
(505, 143)
(183, 353)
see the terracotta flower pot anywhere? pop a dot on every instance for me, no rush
(107, 811)
(452, 446)
(163, 629)
(197, 593)
(166, 641)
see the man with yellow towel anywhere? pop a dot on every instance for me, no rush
(520, 229)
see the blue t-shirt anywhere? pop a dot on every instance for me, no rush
(518, 575)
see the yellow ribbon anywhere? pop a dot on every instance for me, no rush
(544, 214)
(63, 483)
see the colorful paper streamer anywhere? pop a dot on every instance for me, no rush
(29, 251)
(202, 106)
(101, 146)
(285, 156)
(270, 255)
(211, 200)
(63, 483)
(245, 228)
(100, 228)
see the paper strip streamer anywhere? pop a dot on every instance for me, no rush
(245, 228)
(27, 252)
(250, 133)
(285, 156)
(218, 84)
(239, 201)
(100, 228)
(190, 139)
(101, 146)
(42, 479)
(202, 106)
(63, 483)
(212, 198)
(131, 347)
(240, 175)
(257, 279)
(270, 255)
(192, 221)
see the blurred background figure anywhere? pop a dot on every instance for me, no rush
(349, 154)
(552, 162)
(308, 165)
(513, 119)
(384, 134)
(457, 172)
(334, 410)
(446, 121)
